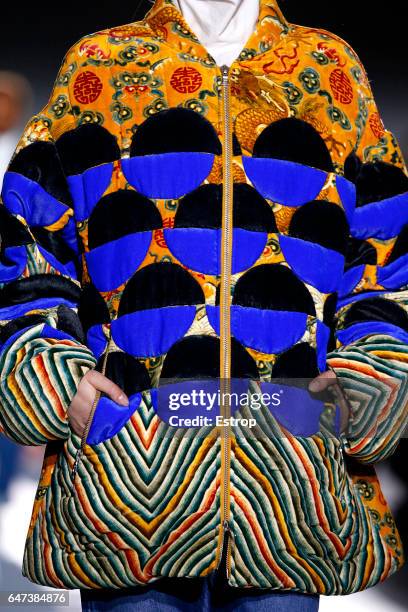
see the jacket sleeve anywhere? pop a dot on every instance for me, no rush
(43, 354)
(370, 355)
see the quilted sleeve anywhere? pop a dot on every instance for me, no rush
(370, 357)
(43, 354)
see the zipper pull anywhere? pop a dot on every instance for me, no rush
(227, 530)
(225, 70)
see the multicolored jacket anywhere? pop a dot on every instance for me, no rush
(163, 218)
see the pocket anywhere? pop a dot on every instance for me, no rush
(126, 493)
(110, 417)
(310, 489)
(335, 516)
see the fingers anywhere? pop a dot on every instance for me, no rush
(82, 402)
(81, 406)
(102, 383)
(329, 379)
(322, 381)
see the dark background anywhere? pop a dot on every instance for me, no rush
(35, 38)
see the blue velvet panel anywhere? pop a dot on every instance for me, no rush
(247, 247)
(269, 331)
(96, 340)
(350, 279)
(320, 267)
(51, 332)
(150, 333)
(88, 188)
(27, 198)
(297, 410)
(109, 418)
(17, 256)
(384, 219)
(200, 248)
(196, 248)
(359, 330)
(322, 339)
(67, 268)
(70, 236)
(395, 275)
(167, 175)
(111, 264)
(282, 181)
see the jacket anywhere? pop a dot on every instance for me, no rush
(167, 219)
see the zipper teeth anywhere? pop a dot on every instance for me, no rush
(224, 305)
(84, 436)
(224, 329)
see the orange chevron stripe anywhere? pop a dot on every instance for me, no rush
(262, 546)
(186, 525)
(147, 528)
(314, 484)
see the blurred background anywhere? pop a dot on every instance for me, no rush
(32, 45)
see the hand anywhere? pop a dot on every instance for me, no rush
(82, 402)
(329, 379)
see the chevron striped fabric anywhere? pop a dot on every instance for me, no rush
(113, 243)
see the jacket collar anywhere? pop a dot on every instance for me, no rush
(168, 25)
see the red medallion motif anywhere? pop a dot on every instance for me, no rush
(87, 87)
(158, 237)
(186, 79)
(376, 125)
(341, 86)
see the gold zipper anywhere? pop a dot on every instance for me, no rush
(84, 436)
(225, 323)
